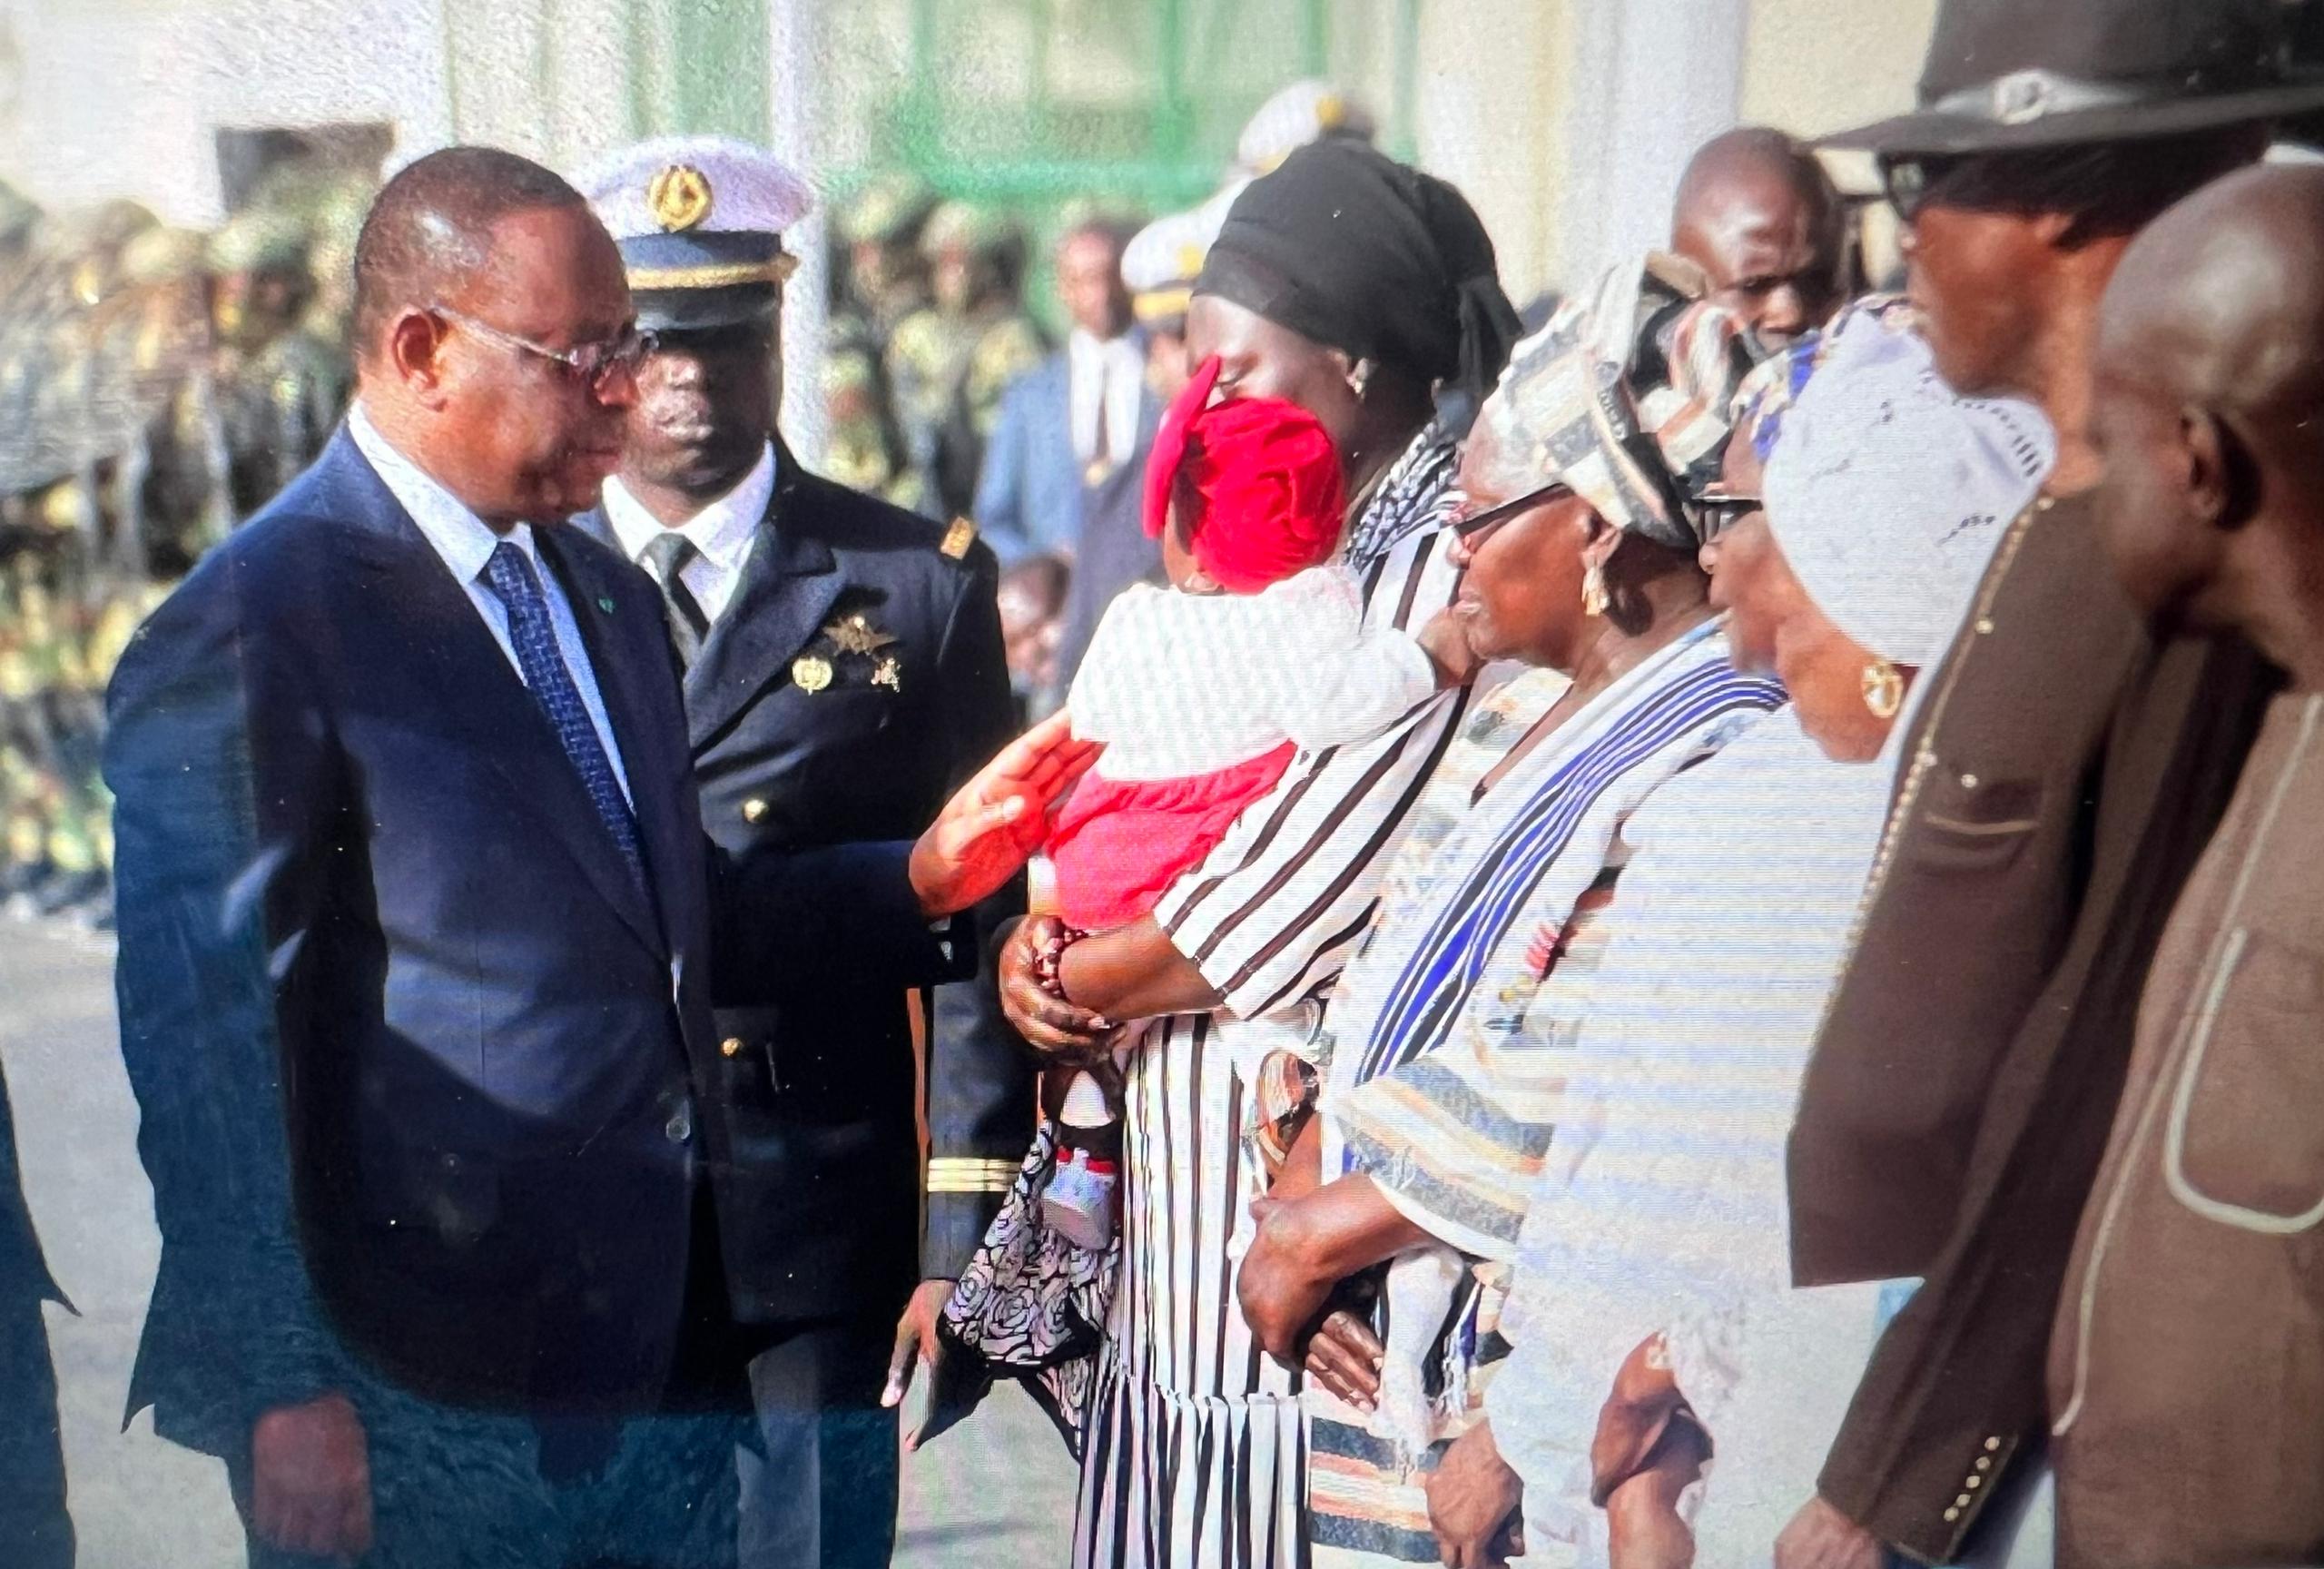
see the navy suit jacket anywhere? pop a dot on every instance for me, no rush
(1029, 492)
(824, 1076)
(427, 1079)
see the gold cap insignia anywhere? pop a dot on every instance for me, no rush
(810, 673)
(679, 196)
(958, 538)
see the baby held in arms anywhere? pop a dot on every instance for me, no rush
(1204, 692)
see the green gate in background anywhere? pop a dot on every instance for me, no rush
(1025, 104)
(1185, 74)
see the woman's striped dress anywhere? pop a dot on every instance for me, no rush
(1195, 1453)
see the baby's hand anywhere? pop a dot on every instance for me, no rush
(1445, 641)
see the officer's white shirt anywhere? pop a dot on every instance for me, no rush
(464, 541)
(721, 533)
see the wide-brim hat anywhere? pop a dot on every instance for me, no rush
(2003, 76)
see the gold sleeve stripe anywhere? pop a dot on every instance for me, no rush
(967, 1174)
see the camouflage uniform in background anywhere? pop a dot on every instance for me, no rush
(879, 274)
(948, 363)
(281, 386)
(865, 450)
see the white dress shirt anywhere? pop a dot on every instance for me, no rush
(1111, 374)
(465, 543)
(721, 533)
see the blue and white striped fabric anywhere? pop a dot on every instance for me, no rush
(1660, 728)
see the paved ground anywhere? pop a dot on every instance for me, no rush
(996, 1490)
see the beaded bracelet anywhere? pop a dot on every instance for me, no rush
(1050, 956)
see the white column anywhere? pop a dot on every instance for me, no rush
(1652, 80)
(793, 116)
(1489, 115)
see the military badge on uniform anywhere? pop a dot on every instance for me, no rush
(849, 648)
(679, 196)
(854, 633)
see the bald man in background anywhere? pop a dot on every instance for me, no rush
(1756, 212)
(2187, 1361)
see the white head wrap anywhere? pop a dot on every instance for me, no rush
(1887, 493)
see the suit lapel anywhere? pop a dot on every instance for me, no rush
(488, 702)
(788, 587)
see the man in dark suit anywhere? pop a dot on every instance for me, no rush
(1080, 417)
(33, 1522)
(418, 933)
(843, 672)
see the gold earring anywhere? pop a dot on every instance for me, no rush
(1884, 689)
(1594, 597)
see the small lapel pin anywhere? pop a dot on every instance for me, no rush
(605, 604)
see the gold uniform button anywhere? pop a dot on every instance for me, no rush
(1951, 1516)
(1992, 1444)
(731, 1047)
(1962, 1502)
(1984, 625)
(1968, 781)
(1973, 1482)
(753, 810)
(1984, 1463)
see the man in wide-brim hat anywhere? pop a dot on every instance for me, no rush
(2061, 774)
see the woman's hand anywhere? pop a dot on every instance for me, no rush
(1636, 1416)
(1474, 1499)
(1444, 638)
(1050, 1024)
(1280, 1288)
(1302, 1171)
(1643, 1526)
(1344, 1356)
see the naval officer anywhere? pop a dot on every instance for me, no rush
(843, 672)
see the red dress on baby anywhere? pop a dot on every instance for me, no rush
(1203, 699)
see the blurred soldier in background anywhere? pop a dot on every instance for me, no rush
(864, 444)
(169, 500)
(884, 278)
(281, 387)
(949, 363)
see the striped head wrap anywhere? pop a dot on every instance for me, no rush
(1625, 397)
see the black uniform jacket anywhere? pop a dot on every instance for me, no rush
(802, 736)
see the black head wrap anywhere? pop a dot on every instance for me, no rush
(1347, 247)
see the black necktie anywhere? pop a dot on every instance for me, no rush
(666, 557)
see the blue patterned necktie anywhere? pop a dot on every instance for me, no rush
(510, 575)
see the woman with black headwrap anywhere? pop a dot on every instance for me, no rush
(1364, 292)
